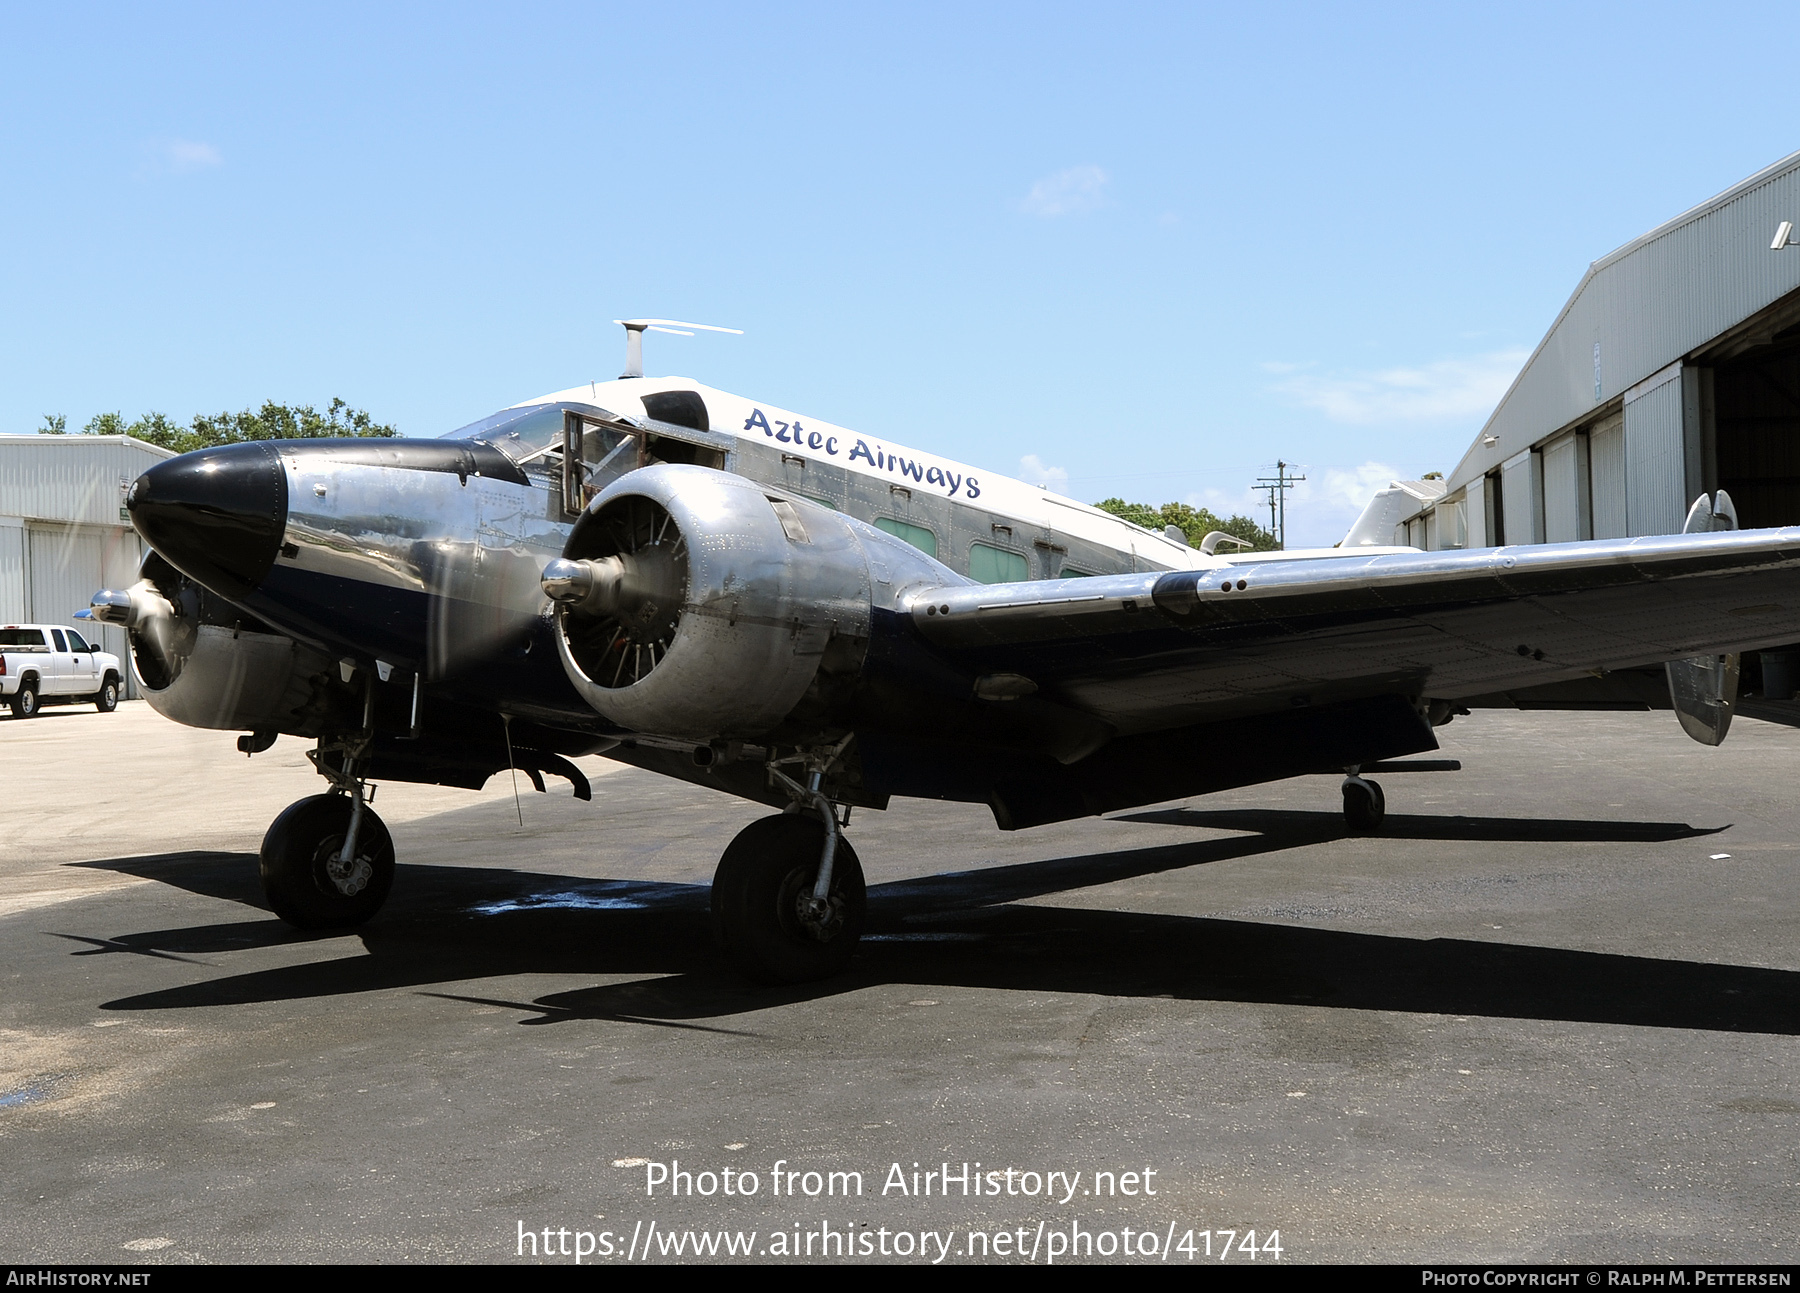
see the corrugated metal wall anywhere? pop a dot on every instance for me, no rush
(71, 478)
(1647, 305)
(1606, 476)
(12, 572)
(1655, 458)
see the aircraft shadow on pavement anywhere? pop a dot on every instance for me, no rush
(447, 926)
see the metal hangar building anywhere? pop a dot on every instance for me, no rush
(64, 531)
(1673, 370)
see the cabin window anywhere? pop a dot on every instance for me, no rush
(991, 565)
(1069, 572)
(917, 535)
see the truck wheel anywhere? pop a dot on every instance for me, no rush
(106, 700)
(25, 701)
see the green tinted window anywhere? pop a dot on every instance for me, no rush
(917, 535)
(990, 565)
(1069, 572)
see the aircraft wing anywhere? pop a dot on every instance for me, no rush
(1152, 652)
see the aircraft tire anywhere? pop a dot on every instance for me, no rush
(1365, 806)
(758, 897)
(299, 871)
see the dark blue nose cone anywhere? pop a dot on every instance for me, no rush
(216, 515)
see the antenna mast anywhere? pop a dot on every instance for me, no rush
(634, 338)
(1276, 487)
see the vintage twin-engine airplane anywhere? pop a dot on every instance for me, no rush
(721, 591)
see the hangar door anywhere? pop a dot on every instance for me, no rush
(66, 565)
(1756, 428)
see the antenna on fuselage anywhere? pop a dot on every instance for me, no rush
(634, 338)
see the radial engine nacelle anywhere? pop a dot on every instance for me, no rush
(198, 664)
(692, 603)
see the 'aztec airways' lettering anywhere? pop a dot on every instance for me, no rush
(879, 458)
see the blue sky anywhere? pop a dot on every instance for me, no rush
(1139, 250)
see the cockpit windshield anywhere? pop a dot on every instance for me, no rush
(521, 434)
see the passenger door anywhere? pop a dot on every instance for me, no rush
(84, 670)
(57, 680)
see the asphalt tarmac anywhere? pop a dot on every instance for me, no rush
(1552, 1014)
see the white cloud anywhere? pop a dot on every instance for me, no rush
(1033, 472)
(180, 156)
(1080, 188)
(1350, 488)
(1448, 390)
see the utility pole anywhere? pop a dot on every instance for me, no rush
(1277, 487)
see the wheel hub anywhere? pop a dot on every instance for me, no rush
(820, 918)
(348, 878)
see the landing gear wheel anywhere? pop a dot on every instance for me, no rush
(763, 908)
(25, 701)
(106, 700)
(306, 884)
(1364, 805)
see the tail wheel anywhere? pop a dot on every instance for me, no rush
(1365, 806)
(307, 884)
(762, 901)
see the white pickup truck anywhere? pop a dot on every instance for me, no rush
(52, 664)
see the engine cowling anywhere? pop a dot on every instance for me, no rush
(694, 604)
(198, 664)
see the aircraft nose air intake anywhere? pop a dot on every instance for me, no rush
(217, 515)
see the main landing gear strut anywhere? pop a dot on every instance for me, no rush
(788, 897)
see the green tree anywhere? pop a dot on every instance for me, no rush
(1195, 522)
(54, 424)
(271, 422)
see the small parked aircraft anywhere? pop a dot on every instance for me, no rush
(726, 592)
